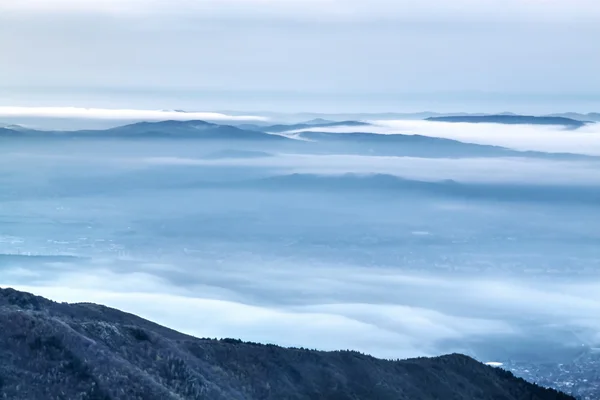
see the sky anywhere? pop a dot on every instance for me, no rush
(532, 56)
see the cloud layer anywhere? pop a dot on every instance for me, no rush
(129, 224)
(585, 140)
(386, 313)
(469, 170)
(118, 114)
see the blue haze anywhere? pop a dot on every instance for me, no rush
(269, 243)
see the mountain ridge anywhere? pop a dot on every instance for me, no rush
(304, 141)
(196, 129)
(65, 351)
(426, 146)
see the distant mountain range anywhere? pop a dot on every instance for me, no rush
(186, 129)
(90, 352)
(513, 120)
(580, 117)
(164, 129)
(309, 119)
(418, 146)
(292, 138)
(5, 132)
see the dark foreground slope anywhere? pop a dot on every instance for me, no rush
(82, 351)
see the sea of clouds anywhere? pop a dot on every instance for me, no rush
(553, 139)
(122, 224)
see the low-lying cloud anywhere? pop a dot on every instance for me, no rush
(468, 170)
(119, 114)
(388, 313)
(499, 170)
(585, 140)
(123, 224)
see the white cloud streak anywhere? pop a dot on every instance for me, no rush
(396, 325)
(585, 140)
(118, 114)
(468, 170)
(474, 170)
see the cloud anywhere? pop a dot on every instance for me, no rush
(118, 114)
(474, 170)
(384, 312)
(386, 330)
(283, 268)
(585, 140)
(466, 170)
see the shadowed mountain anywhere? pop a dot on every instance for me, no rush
(420, 146)
(580, 117)
(189, 129)
(85, 351)
(164, 129)
(366, 137)
(5, 132)
(510, 119)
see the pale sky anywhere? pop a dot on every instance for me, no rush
(306, 55)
